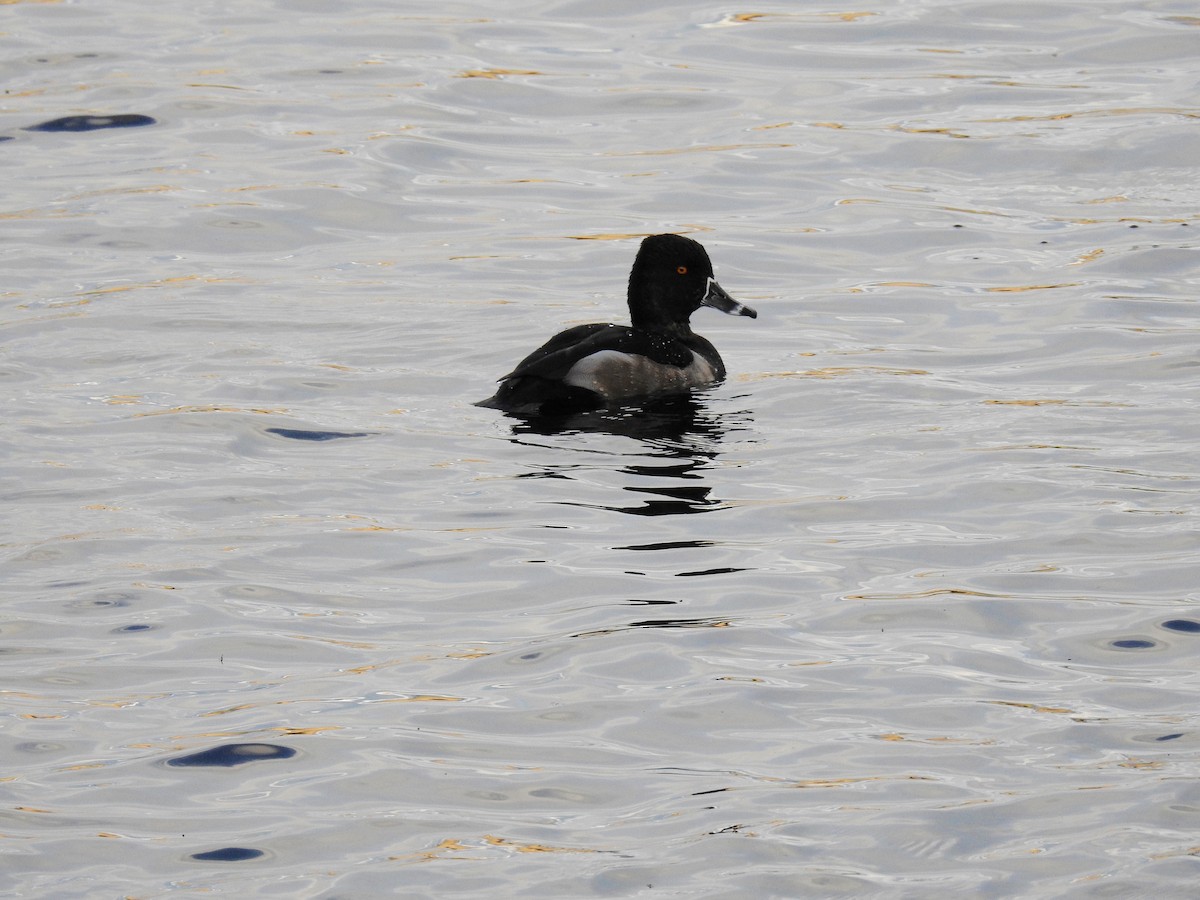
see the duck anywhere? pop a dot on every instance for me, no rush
(600, 365)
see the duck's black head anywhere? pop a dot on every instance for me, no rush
(671, 279)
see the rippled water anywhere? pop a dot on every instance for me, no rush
(905, 607)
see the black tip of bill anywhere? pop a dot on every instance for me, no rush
(716, 297)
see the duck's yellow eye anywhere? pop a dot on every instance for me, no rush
(682, 270)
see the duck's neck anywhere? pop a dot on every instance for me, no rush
(643, 322)
(650, 312)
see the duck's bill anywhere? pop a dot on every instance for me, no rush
(716, 297)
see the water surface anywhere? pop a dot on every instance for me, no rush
(906, 606)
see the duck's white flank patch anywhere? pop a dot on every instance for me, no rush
(614, 375)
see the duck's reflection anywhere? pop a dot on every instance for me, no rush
(677, 438)
(676, 418)
(671, 500)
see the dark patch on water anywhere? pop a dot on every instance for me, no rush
(1188, 626)
(233, 755)
(111, 599)
(65, 57)
(670, 545)
(298, 434)
(92, 123)
(1133, 644)
(679, 623)
(1157, 738)
(228, 854)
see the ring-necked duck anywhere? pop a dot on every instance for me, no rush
(591, 366)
